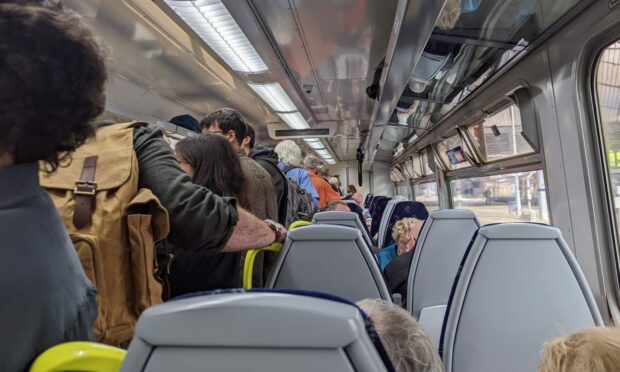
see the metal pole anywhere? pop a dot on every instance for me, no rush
(514, 152)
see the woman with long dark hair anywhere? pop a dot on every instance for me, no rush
(211, 162)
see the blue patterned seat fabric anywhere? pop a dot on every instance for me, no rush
(368, 200)
(373, 203)
(377, 213)
(404, 209)
(360, 212)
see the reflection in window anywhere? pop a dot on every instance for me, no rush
(503, 198)
(499, 136)
(453, 153)
(608, 89)
(427, 194)
(403, 190)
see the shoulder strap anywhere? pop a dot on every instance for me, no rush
(289, 167)
(84, 193)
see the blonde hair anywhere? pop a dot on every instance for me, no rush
(403, 227)
(409, 348)
(591, 350)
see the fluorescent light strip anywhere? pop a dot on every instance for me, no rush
(294, 120)
(315, 145)
(274, 96)
(323, 152)
(331, 161)
(213, 23)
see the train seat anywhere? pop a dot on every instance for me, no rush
(519, 285)
(255, 330)
(442, 243)
(373, 203)
(357, 210)
(377, 214)
(345, 219)
(398, 210)
(331, 259)
(385, 217)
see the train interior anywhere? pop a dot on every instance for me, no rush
(508, 110)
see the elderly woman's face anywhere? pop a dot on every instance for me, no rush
(406, 242)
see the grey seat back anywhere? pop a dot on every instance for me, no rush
(331, 259)
(254, 331)
(519, 286)
(344, 219)
(385, 218)
(442, 242)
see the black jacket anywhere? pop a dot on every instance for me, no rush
(268, 159)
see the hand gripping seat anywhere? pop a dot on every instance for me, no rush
(519, 286)
(396, 211)
(344, 219)
(255, 330)
(441, 245)
(331, 259)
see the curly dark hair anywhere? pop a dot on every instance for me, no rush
(52, 79)
(227, 119)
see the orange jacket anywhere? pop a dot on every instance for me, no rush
(326, 193)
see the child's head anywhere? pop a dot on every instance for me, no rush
(591, 350)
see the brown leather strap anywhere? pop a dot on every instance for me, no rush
(84, 194)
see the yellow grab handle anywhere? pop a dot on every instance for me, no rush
(79, 356)
(297, 224)
(248, 264)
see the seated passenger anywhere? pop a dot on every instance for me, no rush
(211, 162)
(405, 234)
(591, 350)
(396, 274)
(337, 206)
(52, 81)
(352, 194)
(323, 188)
(290, 159)
(409, 348)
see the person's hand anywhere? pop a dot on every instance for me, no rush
(283, 234)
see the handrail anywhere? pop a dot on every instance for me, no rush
(250, 256)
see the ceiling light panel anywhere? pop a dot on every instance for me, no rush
(213, 23)
(315, 145)
(294, 120)
(274, 96)
(323, 153)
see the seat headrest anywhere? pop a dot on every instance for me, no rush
(324, 232)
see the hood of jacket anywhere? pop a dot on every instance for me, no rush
(263, 153)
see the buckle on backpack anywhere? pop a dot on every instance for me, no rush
(85, 188)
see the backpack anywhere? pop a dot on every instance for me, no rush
(113, 226)
(300, 204)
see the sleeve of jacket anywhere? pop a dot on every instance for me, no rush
(199, 219)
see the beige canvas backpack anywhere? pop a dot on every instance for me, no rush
(114, 227)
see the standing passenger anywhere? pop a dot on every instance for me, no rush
(268, 159)
(211, 162)
(231, 124)
(51, 88)
(324, 189)
(290, 160)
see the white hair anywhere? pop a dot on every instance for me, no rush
(312, 162)
(288, 152)
(408, 346)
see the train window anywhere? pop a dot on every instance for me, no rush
(396, 175)
(608, 94)
(427, 193)
(510, 197)
(403, 190)
(452, 153)
(500, 135)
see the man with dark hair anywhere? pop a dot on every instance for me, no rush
(232, 125)
(268, 159)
